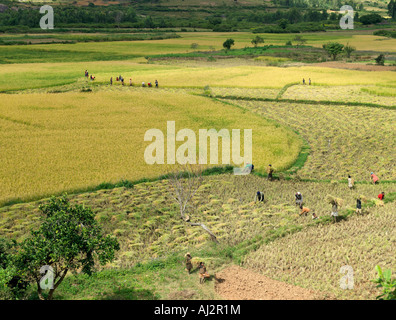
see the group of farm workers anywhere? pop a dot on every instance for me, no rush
(259, 196)
(202, 273)
(122, 80)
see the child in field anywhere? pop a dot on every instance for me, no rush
(358, 206)
(111, 81)
(350, 182)
(203, 274)
(130, 82)
(374, 178)
(259, 196)
(304, 211)
(381, 196)
(309, 81)
(156, 83)
(303, 81)
(314, 216)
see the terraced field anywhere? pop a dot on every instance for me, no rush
(343, 139)
(313, 258)
(147, 222)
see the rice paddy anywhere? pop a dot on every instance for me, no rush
(60, 132)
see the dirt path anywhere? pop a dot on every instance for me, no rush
(236, 283)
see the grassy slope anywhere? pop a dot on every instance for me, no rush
(146, 222)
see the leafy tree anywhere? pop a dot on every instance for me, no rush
(392, 9)
(333, 49)
(300, 40)
(13, 286)
(283, 23)
(228, 43)
(257, 40)
(349, 49)
(380, 60)
(69, 238)
(371, 18)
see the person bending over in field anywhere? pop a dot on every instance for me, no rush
(203, 274)
(143, 84)
(381, 196)
(350, 182)
(358, 206)
(259, 196)
(304, 210)
(314, 216)
(374, 178)
(189, 265)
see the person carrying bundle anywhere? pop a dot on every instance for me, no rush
(270, 171)
(335, 202)
(203, 274)
(188, 261)
(299, 199)
(334, 210)
(358, 206)
(350, 182)
(259, 196)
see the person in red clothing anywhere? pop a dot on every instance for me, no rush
(374, 178)
(381, 196)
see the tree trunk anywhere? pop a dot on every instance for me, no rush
(51, 292)
(40, 291)
(213, 237)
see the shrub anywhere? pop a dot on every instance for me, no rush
(385, 282)
(380, 60)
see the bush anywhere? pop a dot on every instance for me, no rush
(385, 282)
(371, 18)
(380, 60)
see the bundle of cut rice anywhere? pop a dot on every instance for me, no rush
(362, 198)
(334, 200)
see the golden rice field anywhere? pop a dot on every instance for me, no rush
(67, 141)
(312, 258)
(147, 222)
(343, 139)
(365, 94)
(16, 77)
